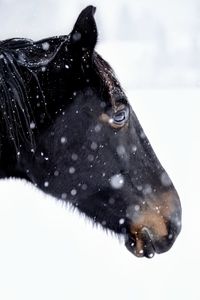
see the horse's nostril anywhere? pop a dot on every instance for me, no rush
(148, 245)
(141, 243)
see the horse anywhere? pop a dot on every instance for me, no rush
(67, 127)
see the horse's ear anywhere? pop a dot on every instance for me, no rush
(84, 34)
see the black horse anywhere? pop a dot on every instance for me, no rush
(67, 126)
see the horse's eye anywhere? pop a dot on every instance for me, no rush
(120, 117)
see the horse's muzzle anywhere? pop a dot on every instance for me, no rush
(155, 228)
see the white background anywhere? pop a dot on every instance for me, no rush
(49, 252)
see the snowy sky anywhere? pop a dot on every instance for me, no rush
(162, 37)
(48, 252)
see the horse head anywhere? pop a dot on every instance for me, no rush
(78, 138)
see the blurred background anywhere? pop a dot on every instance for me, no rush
(162, 37)
(50, 252)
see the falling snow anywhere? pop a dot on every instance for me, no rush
(94, 146)
(72, 170)
(84, 187)
(147, 190)
(117, 181)
(97, 128)
(76, 36)
(139, 188)
(63, 140)
(111, 201)
(91, 157)
(134, 148)
(121, 221)
(74, 156)
(32, 125)
(110, 121)
(137, 207)
(43, 69)
(166, 181)
(121, 150)
(64, 196)
(73, 192)
(150, 255)
(45, 46)
(142, 134)
(102, 104)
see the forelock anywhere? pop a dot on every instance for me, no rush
(107, 76)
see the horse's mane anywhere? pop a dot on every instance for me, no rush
(15, 108)
(15, 111)
(34, 55)
(21, 60)
(108, 78)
